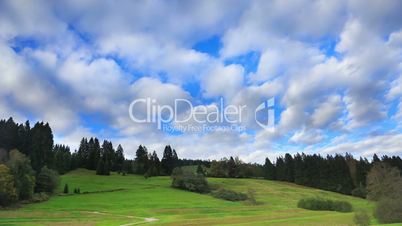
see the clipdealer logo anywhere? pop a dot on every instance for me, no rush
(182, 115)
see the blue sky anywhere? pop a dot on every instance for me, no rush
(333, 67)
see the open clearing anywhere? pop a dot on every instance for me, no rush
(136, 200)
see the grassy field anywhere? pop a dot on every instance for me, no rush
(152, 201)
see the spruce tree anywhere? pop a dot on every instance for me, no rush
(141, 160)
(119, 159)
(65, 190)
(269, 170)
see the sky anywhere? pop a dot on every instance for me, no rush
(334, 69)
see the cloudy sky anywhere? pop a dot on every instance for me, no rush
(333, 67)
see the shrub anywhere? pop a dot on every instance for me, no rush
(324, 204)
(229, 195)
(188, 180)
(8, 192)
(361, 218)
(389, 210)
(24, 176)
(47, 180)
(360, 191)
(39, 197)
(251, 196)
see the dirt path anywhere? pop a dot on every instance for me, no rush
(145, 220)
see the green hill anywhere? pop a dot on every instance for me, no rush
(130, 200)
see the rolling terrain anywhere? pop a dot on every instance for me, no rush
(132, 200)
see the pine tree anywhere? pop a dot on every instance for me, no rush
(169, 161)
(289, 168)
(269, 170)
(299, 169)
(280, 169)
(83, 153)
(119, 159)
(42, 146)
(154, 165)
(65, 190)
(141, 160)
(376, 159)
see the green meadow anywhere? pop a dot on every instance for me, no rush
(133, 200)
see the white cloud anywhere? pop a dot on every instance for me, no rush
(330, 66)
(223, 81)
(327, 112)
(31, 93)
(307, 137)
(389, 144)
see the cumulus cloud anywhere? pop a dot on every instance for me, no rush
(223, 81)
(331, 66)
(327, 112)
(307, 137)
(384, 144)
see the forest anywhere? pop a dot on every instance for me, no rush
(30, 163)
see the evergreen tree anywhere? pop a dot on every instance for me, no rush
(42, 146)
(62, 157)
(269, 170)
(65, 190)
(93, 153)
(376, 159)
(119, 159)
(83, 153)
(24, 138)
(280, 169)
(299, 169)
(154, 165)
(104, 165)
(168, 161)
(289, 168)
(8, 134)
(141, 160)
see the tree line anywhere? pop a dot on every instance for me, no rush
(35, 150)
(27, 161)
(338, 173)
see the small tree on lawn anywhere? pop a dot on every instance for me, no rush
(65, 191)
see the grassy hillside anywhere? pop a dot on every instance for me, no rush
(153, 201)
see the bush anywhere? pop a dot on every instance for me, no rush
(188, 180)
(24, 176)
(324, 204)
(39, 197)
(229, 195)
(8, 193)
(360, 192)
(389, 210)
(77, 191)
(47, 180)
(361, 218)
(251, 196)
